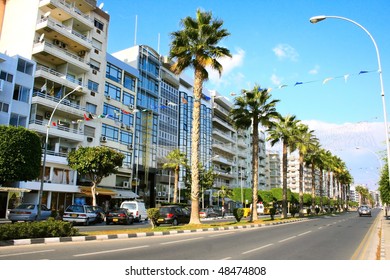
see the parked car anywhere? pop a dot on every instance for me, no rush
(101, 214)
(80, 214)
(119, 216)
(136, 208)
(173, 214)
(207, 213)
(28, 212)
(364, 210)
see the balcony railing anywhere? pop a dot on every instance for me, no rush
(58, 74)
(58, 126)
(65, 102)
(69, 8)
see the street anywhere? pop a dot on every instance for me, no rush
(334, 237)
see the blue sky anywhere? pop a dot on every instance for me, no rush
(313, 69)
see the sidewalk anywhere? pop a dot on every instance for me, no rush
(385, 237)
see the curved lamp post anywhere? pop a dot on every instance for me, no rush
(45, 151)
(316, 19)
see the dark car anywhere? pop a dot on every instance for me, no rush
(364, 210)
(100, 214)
(208, 213)
(173, 214)
(119, 216)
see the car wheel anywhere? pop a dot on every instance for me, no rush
(175, 222)
(86, 222)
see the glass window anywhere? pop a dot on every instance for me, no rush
(97, 44)
(21, 93)
(4, 107)
(6, 76)
(110, 132)
(113, 73)
(126, 137)
(98, 24)
(93, 86)
(89, 131)
(129, 82)
(128, 99)
(91, 108)
(112, 111)
(94, 64)
(113, 91)
(18, 120)
(25, 67)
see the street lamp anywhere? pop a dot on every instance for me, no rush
(45, 151)
(316, 19)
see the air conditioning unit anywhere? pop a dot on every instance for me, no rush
(56, 42)
(131, 106)
(103, 139)
(126, 184)
(122, 125)
(94, 71)
(47, 115)
(164, 193)
(128, 127)
(89, 139)
(81, 53)
(159, 194)
(108, 97)
(130, 147)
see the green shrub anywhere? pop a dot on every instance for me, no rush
(238, 213)
(42, 229)
(153, 215)
(272, 212)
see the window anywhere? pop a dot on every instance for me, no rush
(94, 64)
(113, 73)
(112, 111)
(89, 131)
(4, 107)
(98, 24)
(21, 93)
(25, 67)
(113, 91)
(91, 108)
(6, 76)
(128, 119)
(126, 137)
(93, 86)
(110, 132)
(18, 120)
(128, 99)
(129, 82)
(97, 44)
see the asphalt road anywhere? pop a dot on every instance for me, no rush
(323, 238)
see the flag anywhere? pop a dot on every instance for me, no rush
(184, 100)
(54, 124)
(86, 118)
(59, 93)
(44, 88)
(51, 92)
(298, 83)
(327, 80)
(171, 104)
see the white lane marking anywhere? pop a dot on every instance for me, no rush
(111, 251)
(286, 239)
(303, 233)
(220, 234)
(320, 228)
(180, 241)
(227, 258)
(256, 249)
(25, 253)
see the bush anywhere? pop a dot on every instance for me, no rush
(272, 212)
(238, 213)
(42, 229)
(153, 215)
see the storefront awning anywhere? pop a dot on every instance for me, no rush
(101, 191)
(6, 189)
(125, 194)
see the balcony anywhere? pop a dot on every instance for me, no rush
(59, 130)
(57, 54)
(223, 135)
(68, 106)
(55, 30)
(60, 9)
(57, 77)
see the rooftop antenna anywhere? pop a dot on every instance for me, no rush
(40, 40)
(47, 14)
(135, 31)
(101, 6)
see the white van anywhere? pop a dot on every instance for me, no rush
(260, 208)
(137, 208)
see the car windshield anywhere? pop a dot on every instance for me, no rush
(130, 206)
(165, 210)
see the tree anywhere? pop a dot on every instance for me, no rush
(284, 131)
(196, 46)
(95, 163)
(313, 159)
(384, 185)
(20, 154)
(175, 159)
(255, 107)
(364, 194)
(304, 141)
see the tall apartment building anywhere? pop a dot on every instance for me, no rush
(68, 42)
(273, 171)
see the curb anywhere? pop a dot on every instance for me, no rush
(51, 240)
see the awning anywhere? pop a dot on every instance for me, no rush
(125, 194)
(103, 191)
(6, 189)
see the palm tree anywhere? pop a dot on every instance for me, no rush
(253, 108)
(175, 159)
(196, 46)
(284, 131)
(304, 142)
(363, 194)
(313, 159)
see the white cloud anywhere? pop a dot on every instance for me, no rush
(229, 65)
(315, 70)
(276, 80)
(285, 51)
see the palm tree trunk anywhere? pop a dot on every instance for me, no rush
(255, 162)
(176, 185)
(313, 185)
(198, 84)
(284, 166)
(300, 185)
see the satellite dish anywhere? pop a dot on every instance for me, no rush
(41, 38)
(101, 6)
(46, 14)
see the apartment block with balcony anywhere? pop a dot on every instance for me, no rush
(273, 170)
(68, 42)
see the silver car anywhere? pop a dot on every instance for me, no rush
(28, 212)
(364, 210)
(80, 214)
